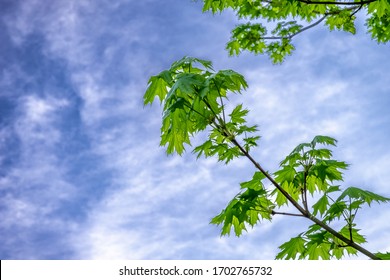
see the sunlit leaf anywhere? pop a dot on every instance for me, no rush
(366, 196)
(255, 183)
(238, 114)
(157, 86)
(292, 248)
(383, 256)
(286, 174)
(321, 205)
(186, 64)
(336, 210)
(317, 250)
(354, 233)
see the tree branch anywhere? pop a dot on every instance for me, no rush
(302, 210)
(286, 214)
(361, 4)
(344, 239)
(304, 191)
(269, 177)
(298, 32)
(340, 3)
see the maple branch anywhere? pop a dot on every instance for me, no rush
(269, 177)
(344, 239)
(304, 191)
(340, 3)
(304, 212)
(276, 212)
(320, 20)
(286, 214)
(298, 32)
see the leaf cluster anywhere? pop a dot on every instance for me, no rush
(193, 97)
(291, 17)
(318, 243)
(309, 170)
(249, 207)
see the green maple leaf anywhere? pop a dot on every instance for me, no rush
(365, 196)
(321, 205)
(238, 114)
(383, 256)
(290, 249)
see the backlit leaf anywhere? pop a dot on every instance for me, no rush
(238, 114)
(326, 140)
(383, 256)
(321, 205)
(366, 196)
(157, 86)
(286, 174)
(292, 248)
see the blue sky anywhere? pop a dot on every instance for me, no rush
(82, 175)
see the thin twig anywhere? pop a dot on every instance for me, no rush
(340, 3)
(275, 212)
(298, 32)
(287, 214)
(304, 191)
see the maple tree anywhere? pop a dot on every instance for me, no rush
(194, 95)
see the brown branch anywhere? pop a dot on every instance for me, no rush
(344, 239)
(341, 3)
(269, 177)
(298, 32)
(320, 20)
(304, 191)
(286, 214)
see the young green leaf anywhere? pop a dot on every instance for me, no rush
(157, 86)
(300, 148)
(250, 142)
(186, 64)
(321, 205)
(231, 80)
(286, 174)
(320, 153)
(366, 196)
(204, 149)
(335, 211)
(185, 84)
(383, 256)
(256, 182)
(241, 211)
(238, 114)
(318, 250)
(325, 140)
(354, 233)
(292, 248)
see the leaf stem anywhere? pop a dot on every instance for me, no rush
(286, 214)
(304, 191)
(298, 32)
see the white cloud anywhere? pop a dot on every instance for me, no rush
(36, 183)
(153, 206)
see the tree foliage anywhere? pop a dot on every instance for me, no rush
(272, 24)
(193, 96)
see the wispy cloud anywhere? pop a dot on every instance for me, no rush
(35, 186)
(88, 174)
